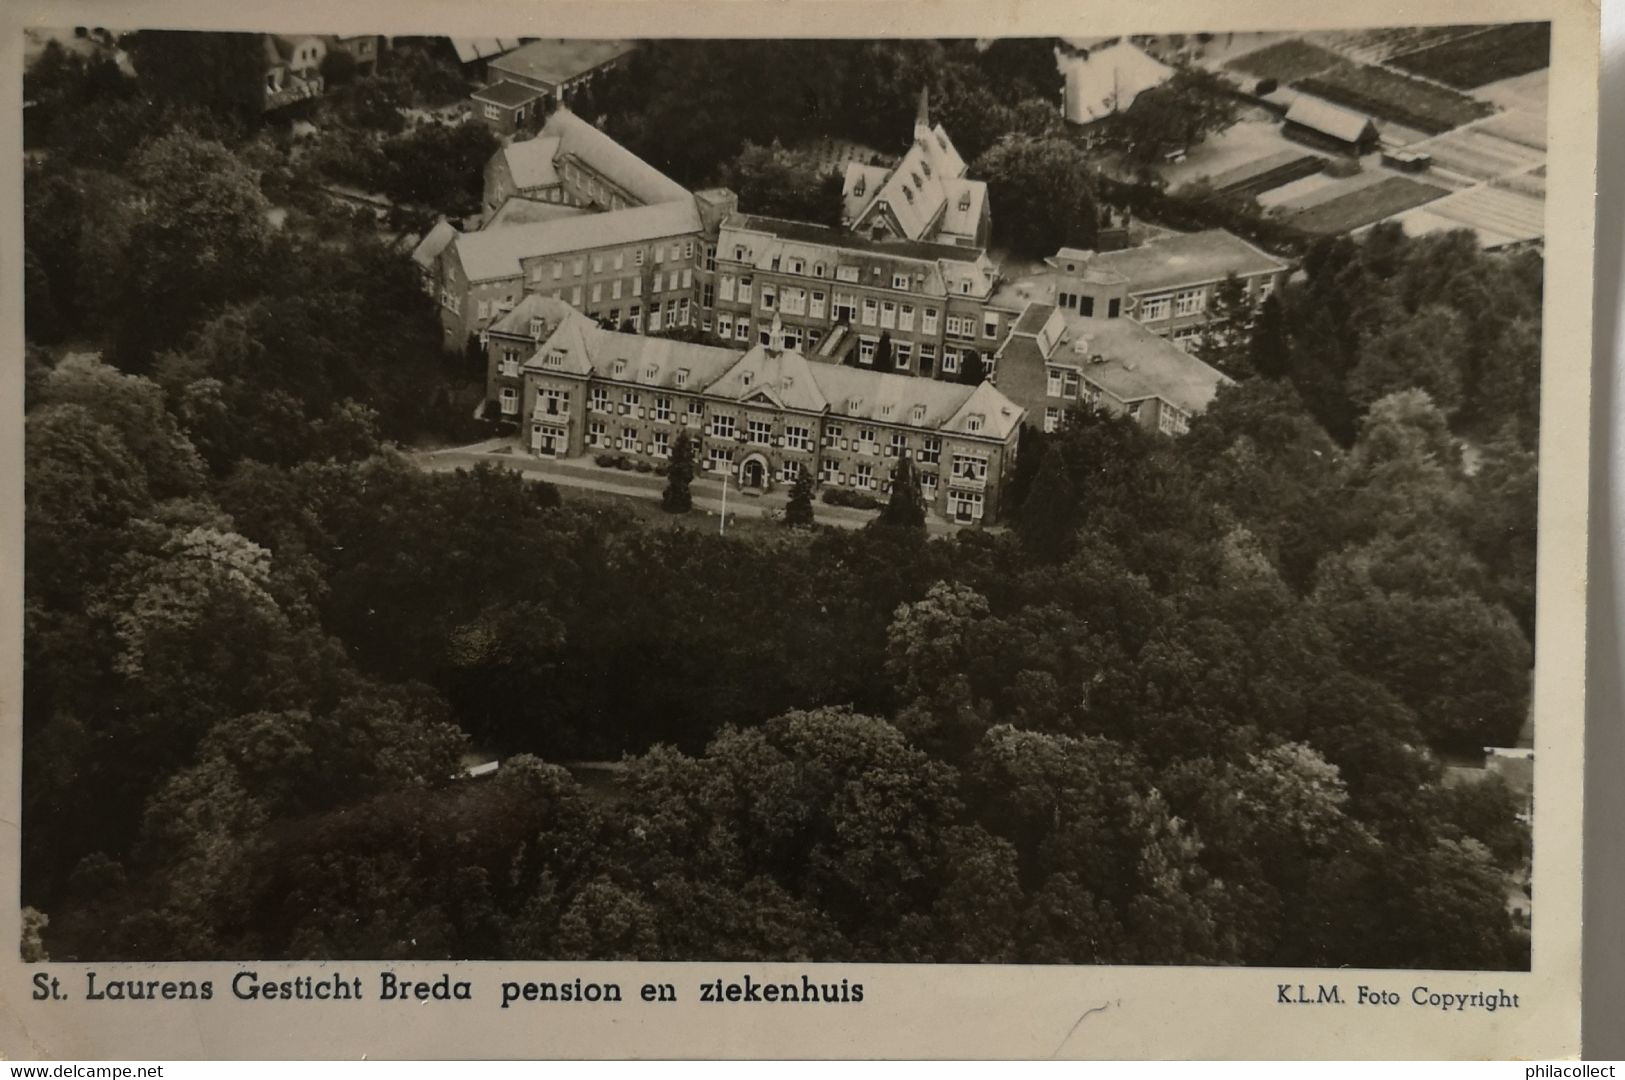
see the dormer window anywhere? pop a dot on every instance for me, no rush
(858, 188)
(620, 367)
(796, 266)
(908, 193)
(926, 166)
(739, 254)
(964, 200)
(818, 269)
(942, 140)
(919, 413)
(885, 410)
(651, 371)
(745, 378)
(682, 376)
(964, 286)
(537, 326)
(554, 358)
(853, 405)
(917, 181)
(973, 424)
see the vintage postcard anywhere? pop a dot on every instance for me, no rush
(735, 530)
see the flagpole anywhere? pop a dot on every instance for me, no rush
(722, 525)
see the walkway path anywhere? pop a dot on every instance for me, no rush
(584, 473)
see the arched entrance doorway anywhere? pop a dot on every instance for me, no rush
(753, 474)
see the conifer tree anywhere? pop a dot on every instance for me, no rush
(1050, 511)
(799, 512)
(676, 498)
(906, 508)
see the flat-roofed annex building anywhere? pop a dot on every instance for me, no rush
(762, 415)
(526, 82)
(1165, 285)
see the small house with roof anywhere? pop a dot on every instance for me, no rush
(1326, 126)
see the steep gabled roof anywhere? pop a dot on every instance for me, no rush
(783, 376)
(603, 155)
(998, 415)
(915, 191)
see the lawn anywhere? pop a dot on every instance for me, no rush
(648, 512)
(1286, 61)
(1364, 206)
(1392, 96)
(1498, 53)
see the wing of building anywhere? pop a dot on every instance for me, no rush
(763, 415)
(1058, 361)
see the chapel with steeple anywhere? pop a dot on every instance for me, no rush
(924, 196)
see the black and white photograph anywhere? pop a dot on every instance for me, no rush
(1032, 500)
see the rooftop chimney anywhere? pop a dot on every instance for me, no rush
(922, 118)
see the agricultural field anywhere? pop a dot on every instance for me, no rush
(1371, 203)
(1286, 61)
(1479, 153)
(1389, 95)
(1500, 215)
(1500, 52)
(1378, 46)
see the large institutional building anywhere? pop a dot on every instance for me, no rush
(760, 415)
(833, 349)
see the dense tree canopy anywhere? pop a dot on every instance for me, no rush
(1193, 710)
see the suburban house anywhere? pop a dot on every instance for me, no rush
(533, 79)
(763, 415)
(1325, 126)
(1165, 285)
(293, 68)
(925, 196)
(362, 48)
(1057, 361)
(1104, 80)
(293, 63)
